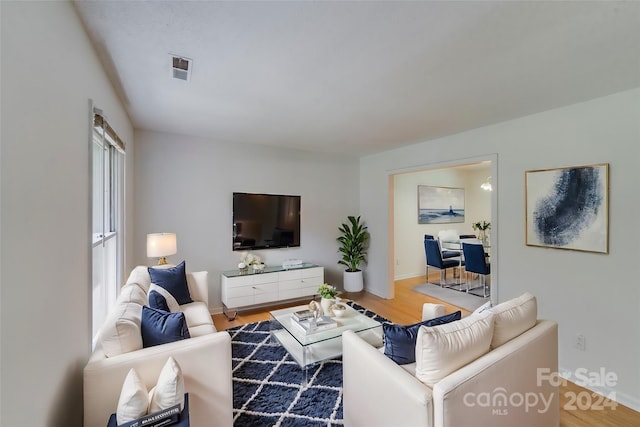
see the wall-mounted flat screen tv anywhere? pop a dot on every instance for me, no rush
(264, 221)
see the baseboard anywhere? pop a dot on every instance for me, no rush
(405, 276)
(216, 310)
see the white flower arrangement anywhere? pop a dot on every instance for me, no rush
(250, 259)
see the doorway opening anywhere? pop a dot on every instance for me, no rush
(415, 211)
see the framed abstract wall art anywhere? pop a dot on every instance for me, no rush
(440, 205)
(568, 208)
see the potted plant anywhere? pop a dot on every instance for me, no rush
(482, 227)
(353, 246)
(328, 293)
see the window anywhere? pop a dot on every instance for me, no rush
(107, 165)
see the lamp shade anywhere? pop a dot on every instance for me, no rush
(161, 245)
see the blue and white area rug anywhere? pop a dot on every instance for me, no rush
(267, 388)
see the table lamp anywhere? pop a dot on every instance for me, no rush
(161, 245)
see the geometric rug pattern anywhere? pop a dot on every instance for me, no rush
(267, 382)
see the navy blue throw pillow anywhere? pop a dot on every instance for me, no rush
(158, 301)
(174, 280)
(161, 327)
(400, 341)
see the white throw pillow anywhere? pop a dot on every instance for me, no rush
(486, 306)
(121, 331)
(443, 349)
(431, 311)
(171, 301)
(513, 317)
(169, 390)
(134, 399)
(192, 283)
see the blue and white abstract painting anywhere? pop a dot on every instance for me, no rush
(568, 208)
(440, 205)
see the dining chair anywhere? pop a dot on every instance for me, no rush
(435, 260)
(475, 261)
(446, 253)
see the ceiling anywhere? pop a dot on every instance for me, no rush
(357, 77)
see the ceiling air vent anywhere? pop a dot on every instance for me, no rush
(181, 68)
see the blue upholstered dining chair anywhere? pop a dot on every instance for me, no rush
(444, 253)
(435, 260)
(476, 262)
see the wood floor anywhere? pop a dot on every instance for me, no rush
(406, 308)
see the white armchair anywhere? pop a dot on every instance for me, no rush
(205, 360)
(379, 392)
(206, 366)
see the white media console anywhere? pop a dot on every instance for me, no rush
(246, 289)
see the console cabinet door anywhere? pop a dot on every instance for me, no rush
(237, 291)
(300, 283)
(265, 288)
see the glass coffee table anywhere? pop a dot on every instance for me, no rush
(308, 349)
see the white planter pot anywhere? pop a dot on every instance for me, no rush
(326, 304)
(352, 281)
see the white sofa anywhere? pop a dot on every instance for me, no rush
(490, 390)
(205, 358)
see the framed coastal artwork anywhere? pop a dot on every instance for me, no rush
(568, 208)
(440, 205)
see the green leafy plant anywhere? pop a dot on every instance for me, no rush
(481, 225)
(353, 241)
(327, 291)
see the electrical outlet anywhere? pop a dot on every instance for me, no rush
(397, 261)
(580, 343)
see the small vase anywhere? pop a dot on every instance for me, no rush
(326, 304)
(243, 268)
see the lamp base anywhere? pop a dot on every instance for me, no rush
(162, 260)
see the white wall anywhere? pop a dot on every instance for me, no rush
(185, 185)
(592, 294)
(409, 255)
(49, 72)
